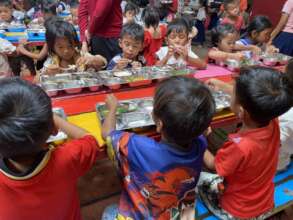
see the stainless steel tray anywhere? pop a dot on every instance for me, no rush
(61, 135)
(222, 100)
(130, 113)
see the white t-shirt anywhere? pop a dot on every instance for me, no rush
(172, 60)
(286, 129)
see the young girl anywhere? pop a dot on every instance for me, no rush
(232, 14)
(283, 40)
(223, 38)
(130, 11)
(63, 46)
(154, 34)
(178, 50)
(258, 33)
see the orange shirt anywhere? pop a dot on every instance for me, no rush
(248, 162)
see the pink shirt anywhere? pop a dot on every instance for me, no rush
(288, 9)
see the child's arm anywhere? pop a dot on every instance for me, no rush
(165, 59)
(240, 47)
(71, 130)
(223, 56)
(209, 160)
(283, 21)
(191, 60)
(43, 53)
(110, 120)
(220, 85)
(98, 62)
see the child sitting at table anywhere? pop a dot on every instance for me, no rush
(223, 38)
(6, 10)
(258, 33)
(131, 43)
(38, 181)
(159, 178)
(64, 54)
(248, 160)
(154, 34)
(232, 15)
(179, 51)
(129, 13)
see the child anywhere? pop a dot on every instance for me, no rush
(178, 50)
(282, 36)
(258, 33)
(5, 70)
(159, 178)
(6, 9)
(63, 45)
(286, 128)
(131, 43)
(38, 181)
(248, 160)
(232, 14)
(223, 38)
(130, 11)
(154, 34)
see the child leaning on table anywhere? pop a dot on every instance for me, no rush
(159, 178)
(38, 181)
(248, 160)
(179, 50)
(131, 42)
(64, 53)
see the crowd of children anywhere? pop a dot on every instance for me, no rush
(161, 180)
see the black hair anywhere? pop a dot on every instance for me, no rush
(259, 24)
(49, 6)
(6, 3)
(220, 32)
(179, 25)
(58, 28)
(151, 17)
(228, 2)
(263, 93)
(74, 4)
(26, 118)
(131, 7)
(134, 30)
(185, 106)
(289, 71)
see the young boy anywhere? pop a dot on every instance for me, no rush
(232, 14)
(248, 160)
(6, 10)
(179, 50)
(38, 181)
(131, 43)
(159, 178)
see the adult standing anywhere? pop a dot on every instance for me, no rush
(100, 23)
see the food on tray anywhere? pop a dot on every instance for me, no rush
(135, 78)
(122, 73)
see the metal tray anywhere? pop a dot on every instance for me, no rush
(61, 135)
(222, 100)
(130, 113)
(275, 59)
(71, 83)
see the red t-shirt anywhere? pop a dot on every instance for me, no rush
(50, 193)
(237, 24)
(248, 162)
(102, 18)
(151, 45)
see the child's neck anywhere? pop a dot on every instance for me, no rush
(21, 165)
(250, 125)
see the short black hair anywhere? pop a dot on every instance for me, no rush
(221, 31)
(185, 106)
(263, 93)
(26, 118)
(49, 6)
(131, 7)
(289, 71)
(134, 30)
(258, 24)
(6, 3)
(58, 28)
(178, 25)
(228, 2)
(151, 17)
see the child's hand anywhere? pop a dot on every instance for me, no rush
(182, 51)
(122, 63)
(255, 49)
(271, 49)
(215, 84)
(136, 65)
(111, 102)
(171, 51)
(237, 56)
(52, 69)
(20, 49)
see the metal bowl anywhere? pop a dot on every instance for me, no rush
(270, 60)
(284, 59)
(72, 87)
(51, 88)
(113, 83)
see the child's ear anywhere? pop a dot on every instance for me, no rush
(54, 130)
(120, 43)
(159, 126)
(254, 34)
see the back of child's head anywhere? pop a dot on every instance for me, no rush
(49, 7)
(133, 30)
(151, 17)
(178, 25)
(220, 32)
(185, 107)
(26, 118)
(58, 28)
(263, 93)
(131, 7)
(6, 3)
(259, 24)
